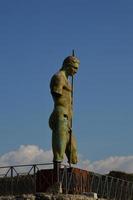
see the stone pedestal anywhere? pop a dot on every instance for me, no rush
(72, 180)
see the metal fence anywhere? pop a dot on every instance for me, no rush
(20, 179)
(24, 179)
(111, 188)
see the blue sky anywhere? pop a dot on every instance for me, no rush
(35, 37)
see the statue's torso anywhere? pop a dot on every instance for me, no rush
(61, 93)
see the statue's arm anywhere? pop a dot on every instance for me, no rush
(56, 85)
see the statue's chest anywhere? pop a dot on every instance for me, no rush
(67, 86)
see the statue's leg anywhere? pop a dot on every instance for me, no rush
(59, 139)
(71, 149)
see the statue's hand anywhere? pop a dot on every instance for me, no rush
(70, 130)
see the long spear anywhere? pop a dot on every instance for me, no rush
(73, 54)
(72, 83)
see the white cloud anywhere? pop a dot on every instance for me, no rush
(117, 163)
(26, 154)
(31, 154)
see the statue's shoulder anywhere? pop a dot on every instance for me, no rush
(57, 83)
(58, 76)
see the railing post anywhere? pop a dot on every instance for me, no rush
(104, 187)
(116, 188)
(131, 194)
(57, 171)
(121, 187)
(66, 189)
(11, 180)
(110, 188)
(34, 174)
(92, 180)
(99, 181)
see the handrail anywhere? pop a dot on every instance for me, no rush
(17, 176)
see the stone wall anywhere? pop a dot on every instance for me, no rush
(43, 196)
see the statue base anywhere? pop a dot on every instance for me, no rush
(71, 180)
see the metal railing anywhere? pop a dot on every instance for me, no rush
(22, 179)
(111, 188)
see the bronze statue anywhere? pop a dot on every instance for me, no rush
(60, 121)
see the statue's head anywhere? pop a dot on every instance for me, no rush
(71, 65)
